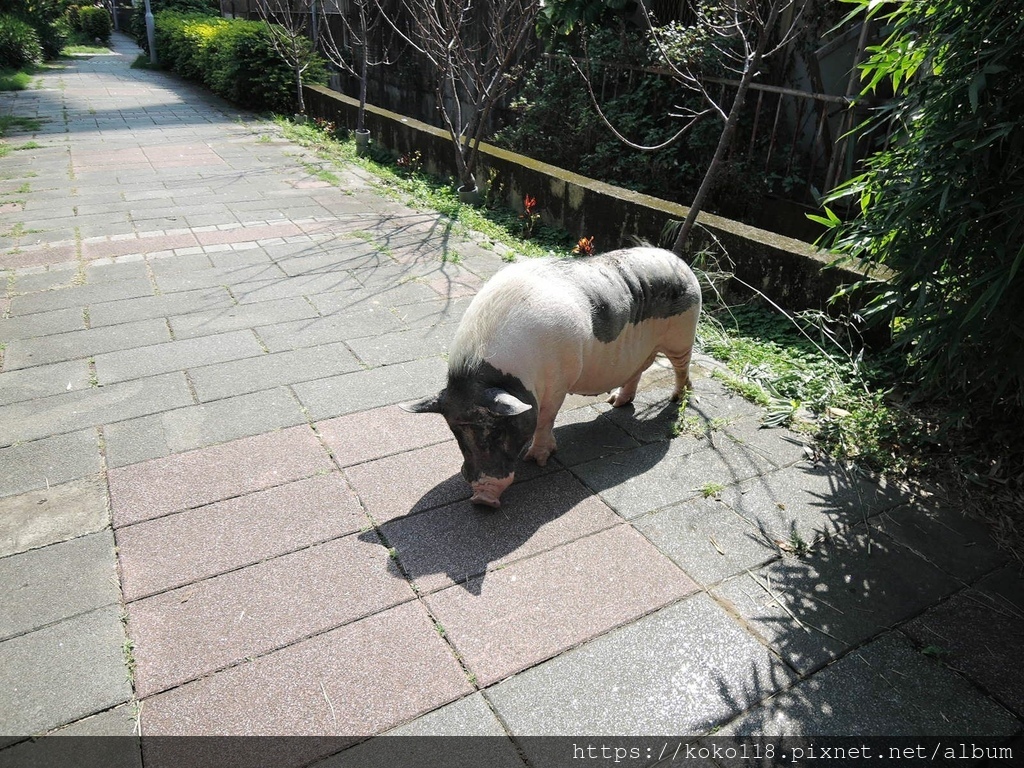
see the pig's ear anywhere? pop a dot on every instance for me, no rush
(501, 403)
(430, 404)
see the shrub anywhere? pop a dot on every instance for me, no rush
(73, 17)
(19, 43)
(234, 58)
(942, 206)
(95, 23)
(137, 22)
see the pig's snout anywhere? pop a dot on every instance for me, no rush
(487, 490)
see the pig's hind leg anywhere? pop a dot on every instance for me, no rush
(681, 365)
(625, 394)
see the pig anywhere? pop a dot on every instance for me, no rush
(545, 328)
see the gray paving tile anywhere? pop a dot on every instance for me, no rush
(189, 632)
(36, 419)
(280, 287)
(510, 619)
(167, 552)
(200, 426)
(49, 515)
(953, 542)
(403, 346)
(361, 679)
(50, 461)
(42, 324)
(369, 321)
(150, 489)
(682, 671)
(884, 688)
(171, 281)
(467, 717)
(851, 588)
(80, 296)
(43, 380)
(138, 362)
(663, 473)
(237, 316)
(74, 345)
(583, 435)
(203, 300)
(47, 585)
(707, 539)
(450, 544)
(362, 390)
(213, 382)
(974, 632)
(805, 501)
(63, 672)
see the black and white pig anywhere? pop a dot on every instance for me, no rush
(544, 328)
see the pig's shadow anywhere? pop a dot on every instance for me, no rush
(458, 542)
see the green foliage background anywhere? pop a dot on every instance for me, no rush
(943, 206)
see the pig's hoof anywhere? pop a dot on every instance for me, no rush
(539, 455)
(485, 500)
(620, 399)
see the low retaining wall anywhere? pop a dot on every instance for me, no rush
(792, 273)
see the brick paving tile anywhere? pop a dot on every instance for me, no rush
(450, 544)
(410, 482)
(189, 632)
(188, 546)
(150, 489)
(360, 679)
(515, 617)
(373, 434)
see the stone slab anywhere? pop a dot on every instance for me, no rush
(680, 671)
(884, 688)
(380, 432)
(74, 345)
(848, 590)
(48, 462)
(239, 316)
(505, 621)
(452, 544)
(44, 380)
(50, 515)
(360, 679)
(189, 632)
(138, 362)
(63, 672)
(52, 583)
(151, 489)
(974, 632)
(707, 539)
(205, 300)
(371, 320)
(253, 373)
(167, 552)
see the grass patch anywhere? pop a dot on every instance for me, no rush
(15, 79)
(12, 123)
(805, 380)
(402, 179)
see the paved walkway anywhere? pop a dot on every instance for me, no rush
(214, 520)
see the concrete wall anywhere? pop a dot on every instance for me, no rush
(791, 272)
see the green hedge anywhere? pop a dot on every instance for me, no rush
(95, 23)
(234, 58)
(19, 43)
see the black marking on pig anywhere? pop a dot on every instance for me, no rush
(490, 444)
(629, 286)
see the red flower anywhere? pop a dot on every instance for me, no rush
(585, 246)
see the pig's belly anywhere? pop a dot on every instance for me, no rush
(608, 365)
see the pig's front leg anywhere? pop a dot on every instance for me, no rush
(543, 444)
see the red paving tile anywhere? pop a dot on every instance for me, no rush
(37, 257)
(189, 546)
(369, 435)
(189, 632)
(410, 482)
(447, 545)
(153, 488)
(536, 608)
(360, 679)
